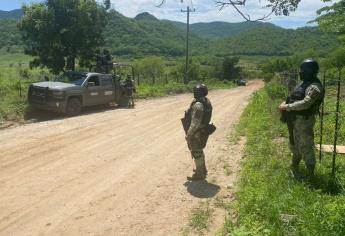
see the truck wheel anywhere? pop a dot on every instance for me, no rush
(73, 107)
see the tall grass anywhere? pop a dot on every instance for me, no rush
(269, 200)
(14, 83)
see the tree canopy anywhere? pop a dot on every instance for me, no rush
(336, 59)
(230, 69)
(57, 32)
(332, 18)
(107, 4)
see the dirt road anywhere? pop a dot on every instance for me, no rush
(117, 172)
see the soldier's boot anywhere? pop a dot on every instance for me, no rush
(196, 176)
(131, 103)
(295, 169)
(310, 170)
(204, 169)
(200, 172)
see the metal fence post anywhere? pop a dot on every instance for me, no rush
(321, 116)
(336, 125)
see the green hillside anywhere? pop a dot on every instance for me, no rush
(15, 14)
(10, 37)
(277, 42)
(218, 30)
(146, 35)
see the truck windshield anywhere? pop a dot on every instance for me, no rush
(71, 78)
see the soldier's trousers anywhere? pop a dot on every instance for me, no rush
(303, 135)
(196, 148)
(199, 160)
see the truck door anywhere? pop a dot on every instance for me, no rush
(94, 94)
(109, 88)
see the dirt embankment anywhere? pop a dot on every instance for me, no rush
(117, 172)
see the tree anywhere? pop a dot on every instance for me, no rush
(107, 4)
(332, 18)
(230, 70)
(336, 59)
(57, 32)
(277, 7)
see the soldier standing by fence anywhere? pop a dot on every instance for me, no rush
(299, 113)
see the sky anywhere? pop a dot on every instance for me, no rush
(205, 10)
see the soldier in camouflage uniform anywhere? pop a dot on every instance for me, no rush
(130, 89)
(197, 134)
(301, 108)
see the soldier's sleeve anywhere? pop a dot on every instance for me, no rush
(197, 114)
(313, 94)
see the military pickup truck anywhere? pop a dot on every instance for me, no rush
(71, 91)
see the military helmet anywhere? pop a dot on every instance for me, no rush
(309, 66)
(200, 91)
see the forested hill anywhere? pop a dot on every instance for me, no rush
(277, 41)
(15, 14)
(218, 29)
(147, 35)
(9, 36)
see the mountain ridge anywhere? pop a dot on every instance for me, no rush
(13, 14)
(146, 35)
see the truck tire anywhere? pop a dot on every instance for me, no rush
(73, 107)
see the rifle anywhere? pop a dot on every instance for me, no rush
(186, 121)
(288, 118)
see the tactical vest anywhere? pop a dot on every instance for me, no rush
(299, 94)
(206, 118)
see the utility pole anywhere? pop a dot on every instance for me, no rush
(186, 79)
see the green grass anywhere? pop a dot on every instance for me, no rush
(12, 60)
(329, 117)
(269, 201)
(199, 221)
(14, 83)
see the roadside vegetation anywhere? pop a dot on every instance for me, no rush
(155, 77)
(199, 220)
(15, 78)
(269, 201)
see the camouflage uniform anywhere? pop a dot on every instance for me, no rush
(130, 89)
(300, 109)
(201, 111)
(303, 125)
(193, 135)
